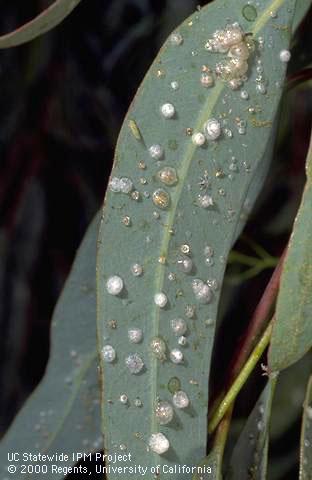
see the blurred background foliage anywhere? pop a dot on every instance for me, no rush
(63, 99)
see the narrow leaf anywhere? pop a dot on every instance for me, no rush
(169, 231)
(44, 22)
(211, 467)
(306, 436)
(292, 331)
(62, 415)
(302, 8)
(250, 454)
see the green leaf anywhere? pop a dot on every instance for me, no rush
(302, 7)
(250, 455)
(152, 236)
(44, 22)
(62, 415)
(306, 436)
(292, 331)
(287, 409)
(211, 467)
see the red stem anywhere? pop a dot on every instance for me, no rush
(258, 321)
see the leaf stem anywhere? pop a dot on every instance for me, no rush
(241, 378)
(222, 431)
(258, 320)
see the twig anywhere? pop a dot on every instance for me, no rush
(241, 378)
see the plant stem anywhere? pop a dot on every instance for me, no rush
(254, 330)
(241, 378)
(258, 320)
(222, 431)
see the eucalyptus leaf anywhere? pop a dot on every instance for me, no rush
(211, 467)
(164, 230)
(250, 455)
(302, 8)
(62, 415)
(45, 21)
(292, 331)
(306, 436)
(287, 405)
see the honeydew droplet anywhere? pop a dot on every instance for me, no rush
(167, 110)
(284, 56)
(164, 413)
(108, 353)
(135, 335)
(114, 285)
(212, 129)
(198, 139)
(249, 13)
(202, 291)
(161, 198)
(134, 363)
(156, 151)
(176, 39)
(158, 443)
(178, 326)
(176, 356)
(160, 299)
(180, 399)
(158, 347)
(168, 176)
(185, 264)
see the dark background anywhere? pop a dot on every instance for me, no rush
(62, 101)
